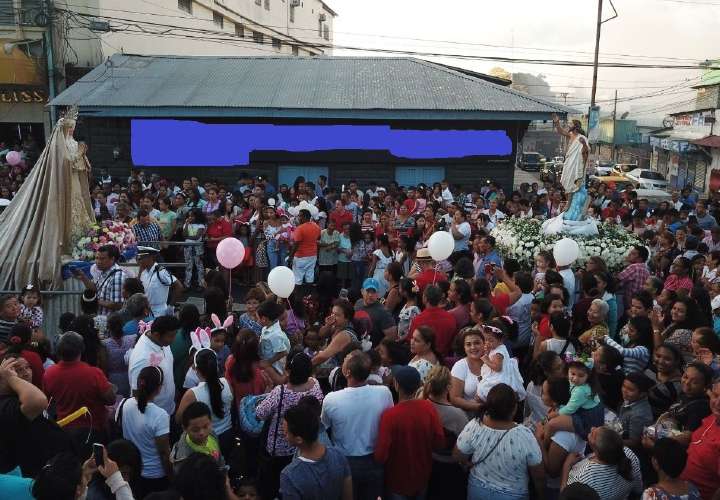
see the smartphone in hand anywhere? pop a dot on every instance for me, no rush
(99, 454)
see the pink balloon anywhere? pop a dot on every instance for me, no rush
(13, 158)
(230, 253)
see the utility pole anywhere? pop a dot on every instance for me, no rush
(597, 52)
(50, 12)
(614, 126)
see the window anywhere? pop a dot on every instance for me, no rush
(276, 43)
(295, 50)
(292, 14)
(240, 30)
(257, 37)
(185, 5)
(267, 4)
(326, 32)
(258, 2)
(320, 28)
(218, 19)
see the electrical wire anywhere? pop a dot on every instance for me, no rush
(375, 36)
(224, 36)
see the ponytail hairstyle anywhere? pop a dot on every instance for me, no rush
(149, 381)
(206, 365)
(610, 449)
(438, 381)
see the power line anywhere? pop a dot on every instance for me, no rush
(375, 36)
(224, 36)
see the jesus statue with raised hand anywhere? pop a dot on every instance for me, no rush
(574, 168)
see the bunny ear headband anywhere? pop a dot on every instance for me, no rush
(143, 327)
(200, 339)
(221, 326)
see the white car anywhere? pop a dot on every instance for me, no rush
(653, 196)
(647, 179)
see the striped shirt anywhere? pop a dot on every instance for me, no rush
(5, 329)
(635, 359)
(605, 480)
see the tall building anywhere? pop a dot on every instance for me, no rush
(34, 65)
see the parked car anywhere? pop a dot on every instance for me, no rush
(604, 168)
(531, 161)
(613, 182)
(647, 179)
(624, 168)
(551, 171)
(653, 196)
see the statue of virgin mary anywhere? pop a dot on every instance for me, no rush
(48, 212)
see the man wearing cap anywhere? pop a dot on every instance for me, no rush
(303, 253)
(157, 281)
(72, 384)
(409, 432)
(383, 324)
(428, 274)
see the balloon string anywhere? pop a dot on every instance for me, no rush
(435, 271)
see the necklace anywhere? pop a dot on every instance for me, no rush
(699, 441)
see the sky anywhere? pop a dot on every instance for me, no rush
(646, 31)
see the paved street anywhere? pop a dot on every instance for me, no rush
(522, 176)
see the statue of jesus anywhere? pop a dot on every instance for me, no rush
(574, 168)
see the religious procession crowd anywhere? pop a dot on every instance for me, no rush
(385, 373)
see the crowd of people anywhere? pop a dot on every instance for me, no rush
(385, 374)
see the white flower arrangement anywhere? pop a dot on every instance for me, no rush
(522, 239)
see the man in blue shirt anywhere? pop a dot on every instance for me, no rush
(705, 220)
(490, 256)
(314, 460)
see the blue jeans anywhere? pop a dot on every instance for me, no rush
(367, 478)
(276, 254)
(480, 491)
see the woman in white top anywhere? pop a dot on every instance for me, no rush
(409, 310)
(380, 260)
(215, 392)
(466, 372)
(147, 426)
(502, 455)
(422, 346)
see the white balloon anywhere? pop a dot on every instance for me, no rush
(566, 251)
(281, 281)
(441, 244)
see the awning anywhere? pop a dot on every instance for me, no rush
(679, 135)
(711, 141)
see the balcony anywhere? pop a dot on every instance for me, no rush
(23, 12)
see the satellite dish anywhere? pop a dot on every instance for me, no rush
(668, 122)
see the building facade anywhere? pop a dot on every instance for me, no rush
(47, 45)
(349, 118)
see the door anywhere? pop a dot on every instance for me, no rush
(412, 176)
(288, 173)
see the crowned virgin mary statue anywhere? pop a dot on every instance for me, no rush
(50, 210)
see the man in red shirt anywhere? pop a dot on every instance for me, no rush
(218, 229)
(428, 275)
(72, 384)
(409, 432)
(442, 322)
(303, 253)
(341, 216)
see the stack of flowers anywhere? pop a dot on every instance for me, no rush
(522, 239)
(107, 233)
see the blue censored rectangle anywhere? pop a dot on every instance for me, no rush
(183, 143)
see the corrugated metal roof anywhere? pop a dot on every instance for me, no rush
(711, 141)
(258, 85)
